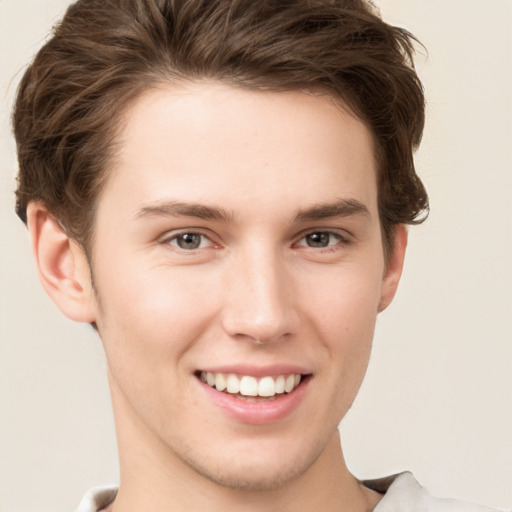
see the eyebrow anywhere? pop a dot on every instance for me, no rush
(184, 209)
(341, 208)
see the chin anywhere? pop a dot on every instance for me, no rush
(256, 478)
(258, 470)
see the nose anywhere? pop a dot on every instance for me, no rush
(259, 299)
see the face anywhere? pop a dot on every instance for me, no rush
(237, 242)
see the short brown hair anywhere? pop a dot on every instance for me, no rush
(105, 53)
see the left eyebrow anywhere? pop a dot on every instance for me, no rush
(341, 208)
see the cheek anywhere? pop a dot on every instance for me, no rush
(344, 313)
(148, 322)
(345, 300)
(152, 316)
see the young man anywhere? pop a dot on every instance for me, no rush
(220, 188)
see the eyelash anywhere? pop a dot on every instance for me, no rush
(176, 236)
(340, 240)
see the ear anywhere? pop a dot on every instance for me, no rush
(62, 265)
(394, 267)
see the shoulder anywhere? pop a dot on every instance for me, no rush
(97, 499)
(403, 493)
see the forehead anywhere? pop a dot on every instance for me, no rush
(211, 143)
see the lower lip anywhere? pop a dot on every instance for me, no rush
(261, 412)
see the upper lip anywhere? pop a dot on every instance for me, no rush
(258, 371)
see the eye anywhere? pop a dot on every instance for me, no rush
(189, 241)
(320, 239)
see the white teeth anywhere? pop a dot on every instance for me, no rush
(290, 383)
(233, 384)
(220, 382)
(266, 387)
(248, 385)
(280, 384)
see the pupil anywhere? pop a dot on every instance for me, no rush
(318, 239)
(189, 241)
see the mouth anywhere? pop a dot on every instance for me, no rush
(250, 388)
(253, 396)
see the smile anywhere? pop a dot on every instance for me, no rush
(255, 396)
(249, 386)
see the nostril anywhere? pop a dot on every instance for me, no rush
(261, 336)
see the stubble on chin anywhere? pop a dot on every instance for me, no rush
(246, 476)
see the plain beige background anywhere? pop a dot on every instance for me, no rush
(438, 394)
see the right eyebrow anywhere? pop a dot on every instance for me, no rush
(184, 209)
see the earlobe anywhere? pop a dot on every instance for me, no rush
(394, 267)
(61, 264)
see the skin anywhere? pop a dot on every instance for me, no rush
(256, 291)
